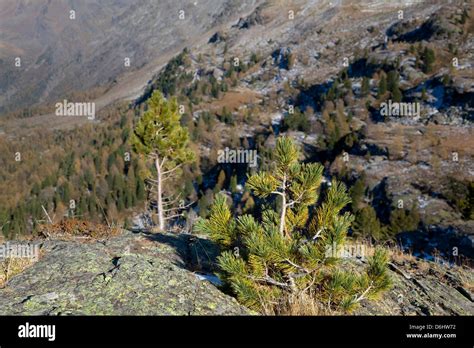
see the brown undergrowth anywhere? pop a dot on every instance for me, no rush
(78, 229)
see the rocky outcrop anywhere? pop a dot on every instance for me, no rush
(424, 288)
(131, 274)
(171, 274)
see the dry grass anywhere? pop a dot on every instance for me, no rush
(398, 255)
(77, 229)
(234, 99)
(446, 138)
(300, 305)
(467, 278)
(294, 304)
(11, 266)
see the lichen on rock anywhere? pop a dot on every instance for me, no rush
(130, 274)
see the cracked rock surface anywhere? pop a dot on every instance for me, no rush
(161, 274)
(132, 274)
(421, 288)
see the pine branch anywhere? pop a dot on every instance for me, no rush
(277, 193)
(269, 280)
(317, 234)
(301, 268)
(173, 216)
(167, 202)
(153, 181)
(172, 170)
(179, 208)
(297, 200)
(362, 296)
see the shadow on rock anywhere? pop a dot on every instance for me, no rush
(196, 253)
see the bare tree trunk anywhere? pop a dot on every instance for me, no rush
(47, 215)
(159, 195)
(283, 207)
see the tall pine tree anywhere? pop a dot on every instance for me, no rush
(160, 137)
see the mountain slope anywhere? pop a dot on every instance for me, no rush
(61, 55)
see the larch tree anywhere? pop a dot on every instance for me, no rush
(159, 136)
(292, 251)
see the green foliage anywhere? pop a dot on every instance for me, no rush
(428, 57)
(335, 126)
(159, 136)
(221, 178)
(402, 220)
(264, 265)
(203, 205)
(226, 116)
(460, 194)
(397, 95)
(365, 87)
(220, 226)
(233, 184)
(377, 272)
(296, 121)
(357, 192)
(367, 225)
(169, 80)
(382, 86)
(423, 94)
(392, 86)
(348, 289)
(159, 132)
(295, 183)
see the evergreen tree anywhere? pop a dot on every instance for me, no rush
(366, 224)
(428, 57)
(220, 181)
(92, 206)
(249, 205)
(128, 198)
(203, 204)
(392, 86)
(464, 17)
(160, 137)
(331, 132)
(423, 94)
(289, 253)
(82, 207)
(397, 95)
(382, 86)
(297, 121)
(294, 183)
(140, 188)
(233, 183)
(365, 88)
(357, 192)
(402, 220)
